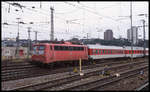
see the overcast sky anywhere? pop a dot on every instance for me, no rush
(88, 17)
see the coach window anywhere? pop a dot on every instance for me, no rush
(129, 51)
(105, 51)
(99, 51)
(96, 52)
(93, 51)
(108, 51)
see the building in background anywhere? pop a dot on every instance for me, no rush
(135, 34)
(108, 35)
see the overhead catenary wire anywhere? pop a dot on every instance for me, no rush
(91, 11)
(96, 13)
(47, 15)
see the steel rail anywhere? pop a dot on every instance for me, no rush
(19, 73)
(84, 83)
(143, 86)
(54, 77)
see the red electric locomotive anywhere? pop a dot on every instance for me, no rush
(50, 52)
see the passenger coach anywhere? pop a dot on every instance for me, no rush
(100, 51)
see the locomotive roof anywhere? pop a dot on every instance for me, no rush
(63, 44)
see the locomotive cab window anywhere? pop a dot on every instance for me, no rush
(41, 47)
(35, 47)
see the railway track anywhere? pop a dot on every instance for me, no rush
(10, 63)
(53, 80)
(144, 87)
(97, 83)
(126, 84)
(88, 83)
(26, 70)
